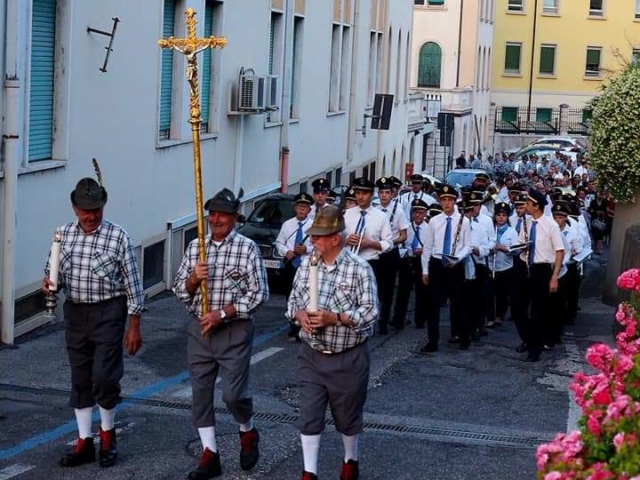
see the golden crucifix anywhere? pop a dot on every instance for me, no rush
(191, 46)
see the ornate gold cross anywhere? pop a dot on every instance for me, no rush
(191, 46)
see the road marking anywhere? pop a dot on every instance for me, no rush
(14, 470)
(574, 410)
(185, 393)
(143, 393)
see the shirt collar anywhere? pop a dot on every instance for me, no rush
(97, 230)
(228, 239)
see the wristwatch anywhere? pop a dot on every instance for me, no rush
(338, 319)
(223, 314)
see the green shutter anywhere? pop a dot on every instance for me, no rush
(509, 114)
(543, 115)
(512, 59)
(272, 43)
(166, 80)
(297, 24)
(436, 2)
(587, 115)
(593, 61)
(205, 89)
(429, 65)
(41, 83)
(547, 60)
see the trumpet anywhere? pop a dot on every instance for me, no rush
(357, 248)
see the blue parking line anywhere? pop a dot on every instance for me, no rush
(143, 393)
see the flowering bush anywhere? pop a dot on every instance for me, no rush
(615, 143)
(607, 444)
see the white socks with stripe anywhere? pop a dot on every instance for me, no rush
(83, 419)
(350, 443)
(208, 438)
(107, 419)
(310, 451)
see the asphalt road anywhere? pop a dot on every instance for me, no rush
(476, 414)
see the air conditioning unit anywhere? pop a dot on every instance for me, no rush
(257, 93)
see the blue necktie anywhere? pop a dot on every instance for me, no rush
(566, 232)
(532, 244)
(446, 250)
(361, 222)
(384, 210)
(298, 241)
(519, 225)
(416, 240)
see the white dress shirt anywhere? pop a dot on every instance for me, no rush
(286, 240)
(575, 242)
(481, 238)
(396, 216)
(411, 233)
(376, 228)
(548, 240)
(407, 198)
(501, 261)
(513, 221)
(434, 244)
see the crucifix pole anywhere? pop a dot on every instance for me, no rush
(190, 47)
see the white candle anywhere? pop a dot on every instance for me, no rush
(313, 284)
(54, 261)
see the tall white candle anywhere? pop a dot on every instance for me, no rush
(313, 283)
(54, 261)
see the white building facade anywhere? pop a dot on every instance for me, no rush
(61, 110)
(451, 65)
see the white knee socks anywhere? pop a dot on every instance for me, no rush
(350, 443)
(107, 418)
(245, 427)
(83, 419)
(310, 451)
(208, 438)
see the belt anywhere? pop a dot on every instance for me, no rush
(331, 352)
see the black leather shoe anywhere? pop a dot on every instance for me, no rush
(83, 452)
(532, 358)
(428, 348)
(249, 452)
(521, 348)
(350, 470)
(483, 332)
(454, 339)
(108, 453)
(209, 466)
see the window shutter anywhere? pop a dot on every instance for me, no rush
(272, 43)
(509, 114)
(166, 80)
(429, 65)
(205, 88)
(547, 59)
(512, 58)
(436, 2)
(41, 83)
(543, 115)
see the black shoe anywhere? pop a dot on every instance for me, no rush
(428, 348)
(483, 332)
(522, 348)
(83, 452)
(209, 466)
(532, 358)
(108, 453)
(475, 336)
(249, 452)
(454, 339)
(464, 345)
(350, 470)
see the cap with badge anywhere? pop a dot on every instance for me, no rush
(418, 204)
(327, 222)
(520, 200)
(482, 176)
(350, 194)
(537, 197)
(395, 181)
(384, 183)
(502, 207)
(362, 183)
(320, 185)
(561, 209)
(435, 209)
(447, 191)
(417, 178)
(303, 198)
(332, 195)
(224, 201)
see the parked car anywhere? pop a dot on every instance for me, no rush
(461, 177)
(541, 150)
(565, 144)
(263, 225)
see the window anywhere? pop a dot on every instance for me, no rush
(431, 3)
(153, 265)
(298, 29)
(334, 80)
(429, 65)
(543, 115)
(550, 6)
(635, 56)
(340, 67)
(547, 59)
(338, 175)
(592, 68)
(205, 85)
(41, 82)
(304, 187)
(365, 171)
(275, 54)
(399, 67)
(637, 8)
(166, 75)
(345, 68)
(509, 114)
(512, 58)
(596, 8)
(352, 177)
(515, 6)
(436, 2)
(375, 63)
(189, 235)
(329, 177)
(372, 171)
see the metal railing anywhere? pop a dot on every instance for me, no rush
(539, 121)
(578, 121)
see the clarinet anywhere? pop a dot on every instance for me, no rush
(457, 236)
(526, 241)
(495, 257)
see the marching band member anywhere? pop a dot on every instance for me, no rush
(320, 192)
(417, 193)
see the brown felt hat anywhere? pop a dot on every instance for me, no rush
(88, 195)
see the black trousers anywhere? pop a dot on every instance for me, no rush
(386, 271)
(498, 294)
(543, 313)
(447, 282)
(410, 279)
(571, 293)
(94, 333)
(520, 297)
(476, 296)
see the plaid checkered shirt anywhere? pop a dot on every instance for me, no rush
(99, 266)
(348, 287)
(236, 276)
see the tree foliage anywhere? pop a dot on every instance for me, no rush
(615, 135)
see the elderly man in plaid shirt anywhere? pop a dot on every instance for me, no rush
(237, 285)
(334, 357)
(102, 286)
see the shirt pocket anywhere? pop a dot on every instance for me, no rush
(343, 300)
(103, 265)
(235, 281)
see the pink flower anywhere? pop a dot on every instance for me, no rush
(554, 476)
(599, 356)
(593, 424)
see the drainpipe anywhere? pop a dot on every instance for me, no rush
(353, 107)
(237, 168)
(286, 95)
(386, 61)
(533, 54)
(10, 138)
(459, 43)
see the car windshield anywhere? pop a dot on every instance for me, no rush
(272, 212)
(460, 178)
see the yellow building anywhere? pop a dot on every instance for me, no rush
(553, 52)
